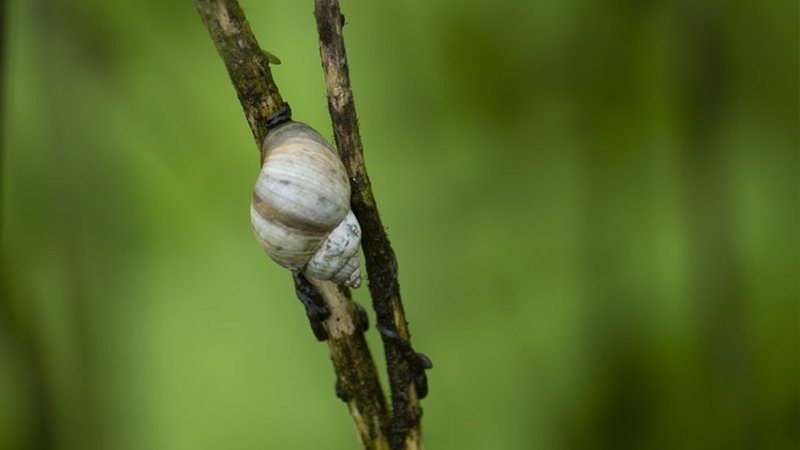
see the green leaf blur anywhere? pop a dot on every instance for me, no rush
(594, 207)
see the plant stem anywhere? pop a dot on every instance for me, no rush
(248, 67)
(357, 377)
(247, 64)
(406, 369)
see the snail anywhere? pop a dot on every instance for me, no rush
(300, 210)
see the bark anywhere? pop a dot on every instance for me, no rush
(406, 368)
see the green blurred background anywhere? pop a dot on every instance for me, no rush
(594, 207)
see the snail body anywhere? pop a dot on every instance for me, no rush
(300, 210)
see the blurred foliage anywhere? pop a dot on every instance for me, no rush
(594, 206)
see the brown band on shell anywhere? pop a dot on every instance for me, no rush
(269, 212)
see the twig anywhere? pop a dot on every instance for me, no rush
(247, 64)
(357, 378)
(406, 367)
(248, 67)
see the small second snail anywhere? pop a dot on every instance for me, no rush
(300, 210)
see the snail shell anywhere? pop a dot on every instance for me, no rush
(301, 206)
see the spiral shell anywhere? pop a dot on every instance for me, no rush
(300, 211)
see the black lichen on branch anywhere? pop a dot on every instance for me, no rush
(312, 301)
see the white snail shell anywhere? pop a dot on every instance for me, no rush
(301, 206)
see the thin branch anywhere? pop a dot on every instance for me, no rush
(357, 381)
(406, 367)
(247, 64)
(248, 67)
